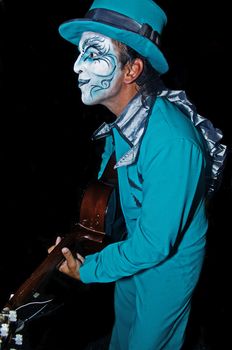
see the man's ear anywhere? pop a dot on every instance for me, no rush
(133, 70)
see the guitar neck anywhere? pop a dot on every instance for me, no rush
(88, 241)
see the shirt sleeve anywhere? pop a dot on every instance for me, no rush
(173, 187)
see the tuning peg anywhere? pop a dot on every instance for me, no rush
(12, 316)
(4, 330)
(18, 339)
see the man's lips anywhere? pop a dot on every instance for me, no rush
(82, 82)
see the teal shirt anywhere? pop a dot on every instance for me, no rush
(157, 267)
(162, 197)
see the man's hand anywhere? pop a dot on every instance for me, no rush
(71, 265)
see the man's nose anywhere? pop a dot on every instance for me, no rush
(78, 65)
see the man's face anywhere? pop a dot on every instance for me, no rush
(99, 69)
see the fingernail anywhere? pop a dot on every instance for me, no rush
(65, 250)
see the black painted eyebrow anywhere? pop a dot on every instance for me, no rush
(95, 43)
(92, 41)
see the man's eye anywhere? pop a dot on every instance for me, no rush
(93, 55)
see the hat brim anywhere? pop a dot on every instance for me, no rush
(72, 31)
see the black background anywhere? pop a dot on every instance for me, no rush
(47, 154)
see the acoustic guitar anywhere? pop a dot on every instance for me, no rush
(87, 236)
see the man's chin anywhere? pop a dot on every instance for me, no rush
(90, 102)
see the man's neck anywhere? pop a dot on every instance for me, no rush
(117, 105)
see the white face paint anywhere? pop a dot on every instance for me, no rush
(98, 68)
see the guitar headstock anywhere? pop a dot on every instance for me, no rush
(9, 339)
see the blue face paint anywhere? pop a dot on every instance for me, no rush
(98, 68)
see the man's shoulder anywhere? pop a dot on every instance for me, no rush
(167, 121)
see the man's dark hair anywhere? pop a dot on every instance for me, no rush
(149, 81)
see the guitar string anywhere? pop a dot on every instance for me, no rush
(33, 315)
(33, 303)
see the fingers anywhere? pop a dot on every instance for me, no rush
(58, 239)
(71, 261)
(80, 257)
(70, 258)
(71, 265)
(50, 249)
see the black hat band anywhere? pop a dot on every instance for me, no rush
(116, 19)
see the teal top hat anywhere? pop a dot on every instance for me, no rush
(136, 23)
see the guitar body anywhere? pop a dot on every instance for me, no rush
(86, 237)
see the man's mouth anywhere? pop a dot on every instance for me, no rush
(82, 82)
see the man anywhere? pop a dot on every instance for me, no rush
(166, 164)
